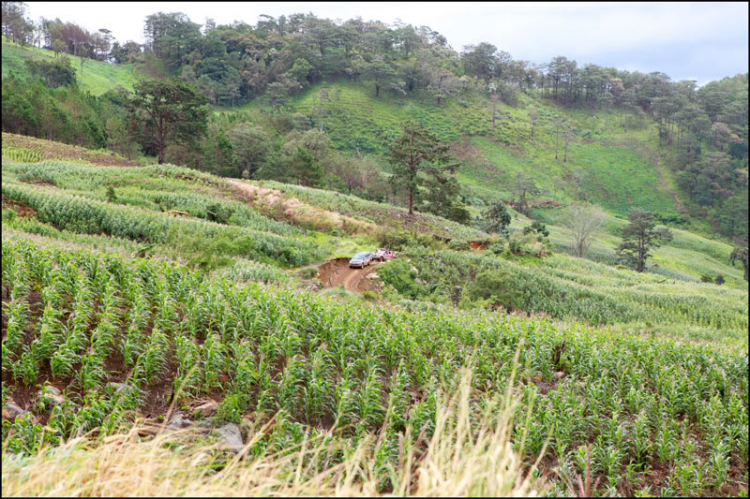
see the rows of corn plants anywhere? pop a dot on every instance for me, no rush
(77, 214)
(155, 188)
(633, 414)
(570, 288)
(32, 149)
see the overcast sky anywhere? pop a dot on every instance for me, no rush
(699, 41)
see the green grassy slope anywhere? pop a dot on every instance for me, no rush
(620, 163)
(686, 258)
(94, 76)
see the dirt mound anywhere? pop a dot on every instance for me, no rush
(336, 272)
(23, 210)
(272, 202)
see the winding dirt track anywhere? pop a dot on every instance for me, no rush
(337, 272)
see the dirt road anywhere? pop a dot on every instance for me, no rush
(337, 272)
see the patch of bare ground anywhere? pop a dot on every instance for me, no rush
(22, 209)
(275, 204)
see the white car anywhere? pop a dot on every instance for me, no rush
(361, 259)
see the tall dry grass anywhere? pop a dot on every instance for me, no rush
(458, 461)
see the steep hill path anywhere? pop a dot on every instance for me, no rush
(665, 186)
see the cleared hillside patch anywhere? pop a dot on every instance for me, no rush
(95, 76)
(25, 149)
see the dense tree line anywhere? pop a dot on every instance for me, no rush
(64, 37)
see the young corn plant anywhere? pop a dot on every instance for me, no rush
(153, 362)
(91, 375)
(26, 368)
(213, 359)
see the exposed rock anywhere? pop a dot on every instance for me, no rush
(413, 269)
(559, 374)
(230, 432)
(11, 410)
(206, 423)
(373, 276)
(178, 421)
(52, 390)
(207, 408)
(52, 395)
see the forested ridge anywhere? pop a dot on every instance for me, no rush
(702, 131)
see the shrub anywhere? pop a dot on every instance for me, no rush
(719, 279)
(308, 272)
(707, 278)
(529, 245)
(9, 215)
(458, 245)
(495, 287)
(111, 194)
(217, 213)
(536, 227)
(398, 274)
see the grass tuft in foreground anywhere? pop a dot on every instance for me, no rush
(466, 456)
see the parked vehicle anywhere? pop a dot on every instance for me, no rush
(361, 259)
(383, 255)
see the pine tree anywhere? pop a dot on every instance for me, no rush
(416, 155)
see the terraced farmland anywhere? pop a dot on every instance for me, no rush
(151, 299)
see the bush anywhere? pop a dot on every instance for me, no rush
(398, 274)
(111, 194)
(9, 215)
(719, 279)
(496, 248)
(495, 287)
(398, 241)
(308, 272)
(536, 227)
(707, 278)
(529, 245)
(458, 245)
(217, 213)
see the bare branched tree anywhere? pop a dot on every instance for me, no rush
(584, 220)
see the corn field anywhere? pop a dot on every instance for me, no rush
(128, 337)
(594, 293)
(78, 214)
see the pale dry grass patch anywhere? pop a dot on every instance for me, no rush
(271, 202)
(464, 457)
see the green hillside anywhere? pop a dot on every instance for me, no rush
(620, 163)
(144, 292)
(622, 167)
(214, 295)
(94, 76)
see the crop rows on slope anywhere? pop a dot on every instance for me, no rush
(356, 119)
(82, 320)
(155, 187)
(78, 214)
(23, 148)
(564, 294)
